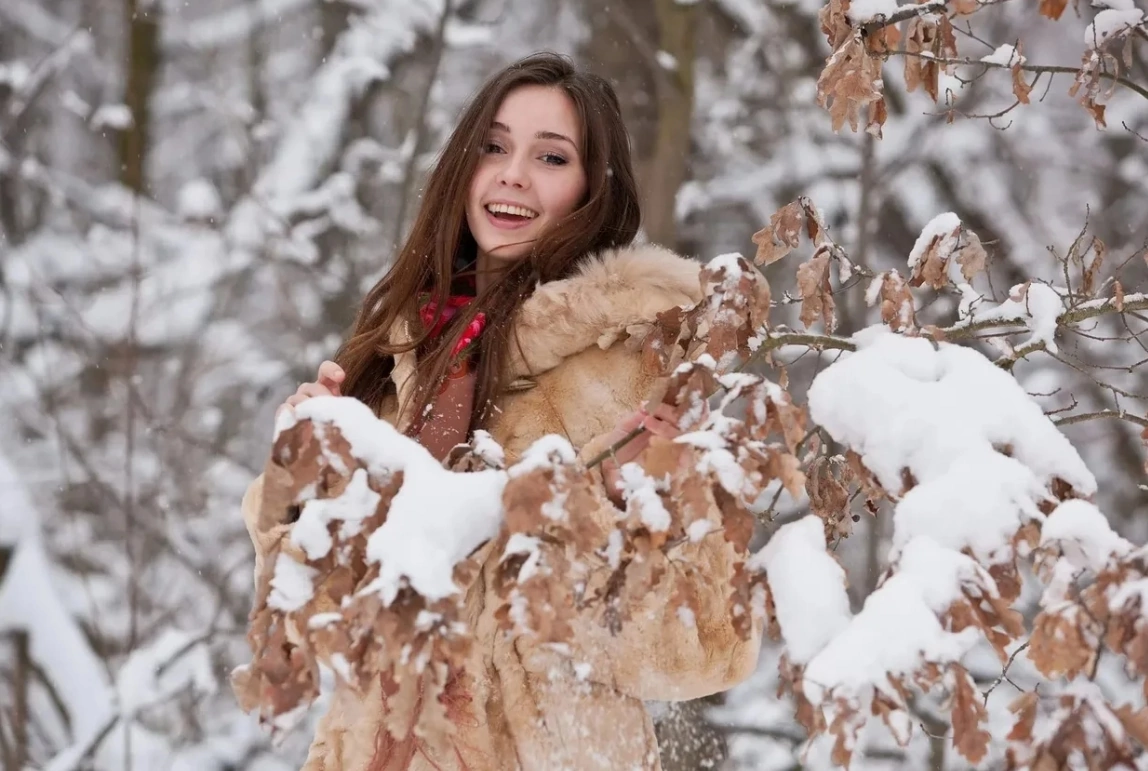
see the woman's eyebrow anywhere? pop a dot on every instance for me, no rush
(555, 136)
(496, 126)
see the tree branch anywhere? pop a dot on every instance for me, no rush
(438, 44)
(74, 757)
(1082, 312)
(781, 734)
(1068, 420)
(905, 12)
(1053, 69)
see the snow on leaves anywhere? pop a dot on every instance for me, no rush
(1076, 729)
(977, 476)
(572, 555)
(979, 480)
(945, 252)
(973, 469)
(341, 485)
(724, 325)
(1097, 587)
(851, 79)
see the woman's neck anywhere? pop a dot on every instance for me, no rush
(487, 271)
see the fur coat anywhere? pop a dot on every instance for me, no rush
(531, 707)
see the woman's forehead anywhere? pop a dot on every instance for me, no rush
(539, 111)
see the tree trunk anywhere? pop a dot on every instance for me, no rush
(687, 740)
(10, 224)
(334, 17)
(666, 168)
(143, 62)
(623, 45)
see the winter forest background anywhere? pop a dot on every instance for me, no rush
(195, 195)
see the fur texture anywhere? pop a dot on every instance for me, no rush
(612, 291)
(527, 706)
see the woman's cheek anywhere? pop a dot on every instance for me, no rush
(576, 191)
(564, 199)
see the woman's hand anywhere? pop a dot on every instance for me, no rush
(662, 422)
(326, 383)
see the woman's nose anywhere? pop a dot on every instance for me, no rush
(513, 173)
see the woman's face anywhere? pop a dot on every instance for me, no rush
(530, 175)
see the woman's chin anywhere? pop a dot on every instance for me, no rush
(505, 250)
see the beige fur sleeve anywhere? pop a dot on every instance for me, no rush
(266, 523)
(252, 502)
(262, 537)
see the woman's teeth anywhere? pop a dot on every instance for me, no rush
(514, 211)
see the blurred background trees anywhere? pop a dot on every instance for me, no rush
(194, 197)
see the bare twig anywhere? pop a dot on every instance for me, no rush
(1102, 415)
(1004, 672)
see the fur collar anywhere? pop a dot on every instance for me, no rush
(611, 292)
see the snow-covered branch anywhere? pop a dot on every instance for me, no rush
(871, 17)
(1003, 325)
(308, 149)
(1047, 69)
(29, 602)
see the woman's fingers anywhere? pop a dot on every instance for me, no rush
(630, 422)
(314, 389)
(331, 376)
(327, 383)
(307, 391)
(661, 428)
(612, 479)
(633, 448)
(663, 424)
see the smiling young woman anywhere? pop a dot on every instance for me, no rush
(508, 309)
(585, 195)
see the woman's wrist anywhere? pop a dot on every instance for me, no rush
(612, 481)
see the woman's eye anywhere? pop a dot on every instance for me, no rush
(554, 160)
(491, 147)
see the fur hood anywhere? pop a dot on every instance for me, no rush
(611, 292)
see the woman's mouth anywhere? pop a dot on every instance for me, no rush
(508, 216)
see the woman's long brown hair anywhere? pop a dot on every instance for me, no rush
(608, 217)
